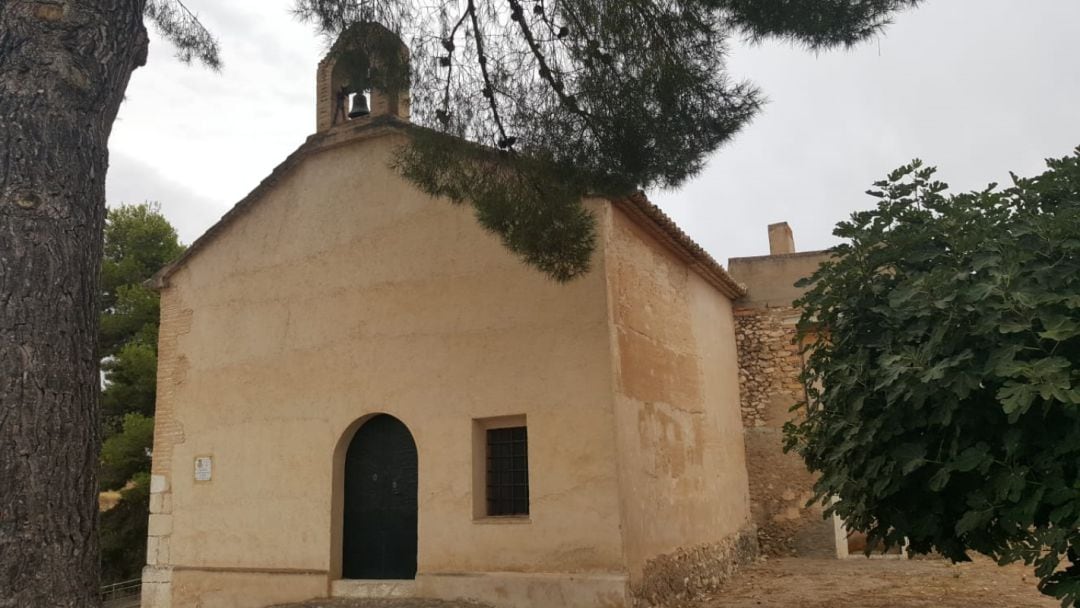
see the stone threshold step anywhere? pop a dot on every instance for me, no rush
(372, 588)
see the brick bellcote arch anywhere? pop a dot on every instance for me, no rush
(329, 80)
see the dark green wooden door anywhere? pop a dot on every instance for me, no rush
(380, 502)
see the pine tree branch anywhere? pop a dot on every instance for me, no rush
(175, 21)
(568, 101)
(489, 89)
(450, 62)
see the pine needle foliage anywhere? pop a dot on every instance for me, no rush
(138, 242)
(816, 24)
(576, 97)
(943, 369)
(177, 24)
(532, 204)
(613, 96)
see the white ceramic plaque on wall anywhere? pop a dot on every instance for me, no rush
(204, 468)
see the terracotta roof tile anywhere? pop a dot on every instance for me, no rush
(640, 208)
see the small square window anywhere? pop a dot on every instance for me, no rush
(507, 466)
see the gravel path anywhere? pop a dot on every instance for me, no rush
(825, 583)
(382, 603)
(880, 583)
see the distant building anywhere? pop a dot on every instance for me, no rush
(769, 365)
(361, 392)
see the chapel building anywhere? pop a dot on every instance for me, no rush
(363, 393)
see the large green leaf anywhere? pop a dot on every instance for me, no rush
(947, 395)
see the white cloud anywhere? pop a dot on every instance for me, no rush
(134, 181)
(977, 87)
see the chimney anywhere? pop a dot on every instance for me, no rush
(781, 240)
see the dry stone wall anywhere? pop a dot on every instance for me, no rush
(769, 364)
(691, 574)
(780, 485)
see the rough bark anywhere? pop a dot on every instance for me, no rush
(64, 66)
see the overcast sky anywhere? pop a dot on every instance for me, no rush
(976, 87)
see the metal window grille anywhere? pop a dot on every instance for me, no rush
(507, 471)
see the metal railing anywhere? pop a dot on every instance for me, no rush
(122, 594)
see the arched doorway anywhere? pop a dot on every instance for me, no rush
(379, 523)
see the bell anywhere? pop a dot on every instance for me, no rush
(359, 106)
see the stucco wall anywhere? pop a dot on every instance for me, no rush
(769, 366)
(770, 279)
(344, 293)
(681, 460)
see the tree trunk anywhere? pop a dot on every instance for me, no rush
(64, 65)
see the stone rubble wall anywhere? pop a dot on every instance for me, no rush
(769, 363)
(691, 574)
(780, 485)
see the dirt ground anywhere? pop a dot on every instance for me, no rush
(880, 583)
(380, 603)
(827, 583)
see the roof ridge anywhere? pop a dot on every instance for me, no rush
(637, 205)
(314, 142)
